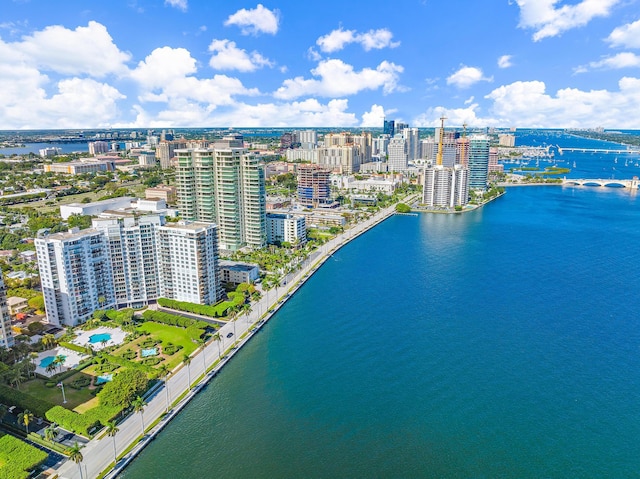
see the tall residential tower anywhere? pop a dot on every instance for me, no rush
(224, 185)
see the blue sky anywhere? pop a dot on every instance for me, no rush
(188, 63)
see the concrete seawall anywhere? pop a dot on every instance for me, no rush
(268, 305)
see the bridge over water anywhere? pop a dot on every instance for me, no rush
(600, 182)
(598, 150)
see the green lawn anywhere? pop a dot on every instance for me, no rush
(168, 334)
(36, 388)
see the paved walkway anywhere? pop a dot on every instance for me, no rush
(99, 453)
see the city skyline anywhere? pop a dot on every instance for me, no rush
(186, 63)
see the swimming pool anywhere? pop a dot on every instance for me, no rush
(98, 338)
(44, 362)
(149, 352)
(104, 378)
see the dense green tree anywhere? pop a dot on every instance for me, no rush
(123, 389)
(79, 221)
(37, 303)
(36, 327)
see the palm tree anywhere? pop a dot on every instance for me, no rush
(186, 359)
(216, 337)
(112, 430)
(202, 343)
(51, 432)
(138, 406)
(163, 372)
(60, 360)
(76, 456)
(51, 367)
(16, 376)
(32, 365)
(26, 417)
(246, 309)
(49, 340)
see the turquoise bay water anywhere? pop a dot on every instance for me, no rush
(499, 343)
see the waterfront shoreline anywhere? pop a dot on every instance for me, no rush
(162, 416)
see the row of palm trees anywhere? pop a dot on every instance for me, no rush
(138, 405)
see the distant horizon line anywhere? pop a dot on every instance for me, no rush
(231, 128)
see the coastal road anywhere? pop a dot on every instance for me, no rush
(98, 453)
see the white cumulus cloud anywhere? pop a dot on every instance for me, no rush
(549, 20)
(255, 21)
(505, 61)
(373, 39)
(227, 56)
(168, 75)
(307, 113)
(86, 50)
(374, 118)
(528, 103)
(29, 98)
(179, 4)
(626, 36)
(454, 116)
(336, 78)
(467, 76)
(76, 103)
(621, 60)
(164, 65)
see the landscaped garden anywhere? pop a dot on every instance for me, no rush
(98, 384)
(155, 340)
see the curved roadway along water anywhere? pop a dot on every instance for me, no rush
(99, 453)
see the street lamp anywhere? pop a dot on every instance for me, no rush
(64, 398)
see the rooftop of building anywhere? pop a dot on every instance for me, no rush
(189, 225)
(110, 201)
(235, 266)
(72, 234)
(13, 300)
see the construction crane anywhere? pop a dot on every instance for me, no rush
(440, 141)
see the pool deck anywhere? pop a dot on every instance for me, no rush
(117, 337)
(71, 361)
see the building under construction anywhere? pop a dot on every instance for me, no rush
(314, 186)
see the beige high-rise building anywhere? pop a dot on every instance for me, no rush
(342, 158)
(507, 140)
(166, 150)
